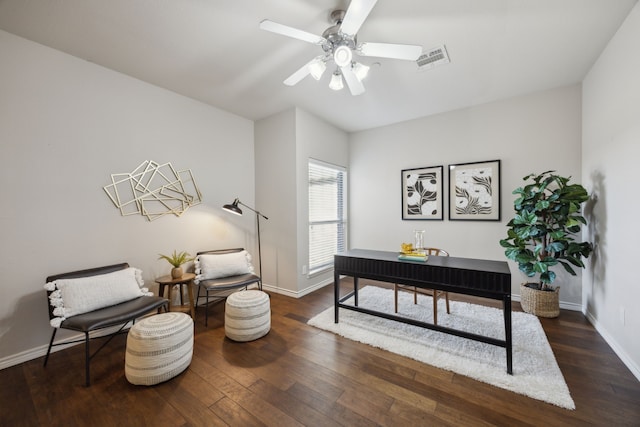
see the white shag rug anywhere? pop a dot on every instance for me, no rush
(535, 371)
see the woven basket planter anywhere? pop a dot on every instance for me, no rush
(540, 303)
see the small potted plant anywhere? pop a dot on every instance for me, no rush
(176, 260)
(542, 234)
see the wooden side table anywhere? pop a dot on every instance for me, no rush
(186, 279)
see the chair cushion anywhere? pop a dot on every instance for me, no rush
(215, 266)
(114, 314)
(71, 297)
(230, 282)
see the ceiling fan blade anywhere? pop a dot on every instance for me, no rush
(389, 50)
(285, 30)
(356, 14)
(355, 86)
(302, 72)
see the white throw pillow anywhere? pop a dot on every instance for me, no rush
(215, 266)
(71, 297)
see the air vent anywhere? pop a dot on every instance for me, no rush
(433, 57)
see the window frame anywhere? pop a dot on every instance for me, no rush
(340, 219)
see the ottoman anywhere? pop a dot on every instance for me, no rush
(158, 348)
(247, 315)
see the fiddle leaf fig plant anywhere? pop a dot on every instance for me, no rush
(542, 234)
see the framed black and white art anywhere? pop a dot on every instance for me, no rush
(422, 193)
(474, 191)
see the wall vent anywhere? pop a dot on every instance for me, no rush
(433, 57)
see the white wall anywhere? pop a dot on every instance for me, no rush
(611, 150)
(65, 126)
(284, 143)
(275, 147)
(532, 133)
(321, 141)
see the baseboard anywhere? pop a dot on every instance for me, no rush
(34, 353)
(617, 349)
(297, 294)
(563, 304)
(24, 356)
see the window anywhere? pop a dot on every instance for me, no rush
(327, 214)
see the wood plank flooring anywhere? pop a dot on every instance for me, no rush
(301, 376)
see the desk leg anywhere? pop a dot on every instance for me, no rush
(507, 332)
(355, 291)
(336, 294)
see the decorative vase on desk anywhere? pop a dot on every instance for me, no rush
(418, 244)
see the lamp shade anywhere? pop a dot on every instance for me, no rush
(336, 81)
(360, 70)
(233, 207)
(316, 68)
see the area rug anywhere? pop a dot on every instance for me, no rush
(535, 371)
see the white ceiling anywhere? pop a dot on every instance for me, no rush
(213, 50)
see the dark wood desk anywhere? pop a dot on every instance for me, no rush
(481, 278)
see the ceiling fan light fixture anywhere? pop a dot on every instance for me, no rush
(336, 81)
(360, 70)
(316, 68)
(342, 56)
(339, 43)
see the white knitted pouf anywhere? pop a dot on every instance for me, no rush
(247, 315)
(159, 347)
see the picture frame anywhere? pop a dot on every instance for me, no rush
(423, 193)
(474, 191)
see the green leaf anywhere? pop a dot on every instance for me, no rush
(557, 234)
(512, 253)
(575, 261)
(542, 204)
(540, 267)
(505, 243)
(527, 269)
(568, 268)
(572, 222)
(524, 257)
(523, 232)
(556, 246)
(548, 277)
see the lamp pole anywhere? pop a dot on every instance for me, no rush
(234, 209)
(258, 215)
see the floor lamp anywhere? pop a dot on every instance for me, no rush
(234, 209)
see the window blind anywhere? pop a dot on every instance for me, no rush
(327, 214)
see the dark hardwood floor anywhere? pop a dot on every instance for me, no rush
(298, 375)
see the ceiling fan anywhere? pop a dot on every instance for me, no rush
(339, 43)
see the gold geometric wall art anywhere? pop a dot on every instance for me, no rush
(153, 190)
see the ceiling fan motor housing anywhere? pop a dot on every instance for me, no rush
(335, 38)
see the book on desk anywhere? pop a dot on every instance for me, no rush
(412, 257)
